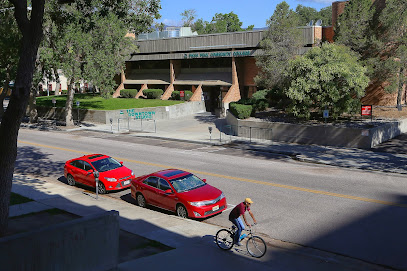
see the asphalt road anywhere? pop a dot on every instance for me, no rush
(350, 212)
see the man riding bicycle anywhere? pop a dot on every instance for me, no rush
(234, 217)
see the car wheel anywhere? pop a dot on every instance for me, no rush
(182, 211)
(101, 188)
(71, 180)
(141, 201)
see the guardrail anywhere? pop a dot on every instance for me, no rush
(135, 124)
(244, 133)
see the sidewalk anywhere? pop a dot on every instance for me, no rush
(193, 240)
(195, 129)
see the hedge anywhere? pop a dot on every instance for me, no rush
(175, 95)
(153, 93)
(240, 111)
(128, 93)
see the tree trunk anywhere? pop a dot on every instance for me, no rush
(68, 105)
(32, 106)
(31, 37)
(400, 88)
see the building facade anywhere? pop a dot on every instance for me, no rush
(217, 68)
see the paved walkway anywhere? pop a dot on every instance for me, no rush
(388, 158)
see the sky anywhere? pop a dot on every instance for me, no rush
(249, 11)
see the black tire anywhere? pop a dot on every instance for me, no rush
(70, 179)
(141, 201)
(182, 211)
(256, 246)
(101, 188)
(224, 239)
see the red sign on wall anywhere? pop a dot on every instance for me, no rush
(181, 93)
(366, 110)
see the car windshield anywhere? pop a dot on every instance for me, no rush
(187, 183)
(106, 164)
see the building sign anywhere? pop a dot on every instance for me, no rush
(140, 115)
(218, 54)
(181, 93)
(366, 110)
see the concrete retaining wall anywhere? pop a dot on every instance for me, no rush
(319, 134)
(100, 116)
(88, 243)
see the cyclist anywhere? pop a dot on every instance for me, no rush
(234, 217)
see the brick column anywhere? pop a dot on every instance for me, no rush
(197, 96)
(168, 92)
(233, 94)
(121, 86)
(140, 92)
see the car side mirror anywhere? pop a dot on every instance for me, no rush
(204, 180)
(121, 162)
(168, 191)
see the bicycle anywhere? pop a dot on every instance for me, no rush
(255, 245)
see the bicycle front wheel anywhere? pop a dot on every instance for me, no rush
(224, 239)
(256, 246)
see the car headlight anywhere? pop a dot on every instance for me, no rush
(111, 179)
(197, 203)
(221, 196)
(132, 173)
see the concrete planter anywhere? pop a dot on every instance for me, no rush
(320, 134)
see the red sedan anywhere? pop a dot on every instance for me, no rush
(112, 174)
(178, 191)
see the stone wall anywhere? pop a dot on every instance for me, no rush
(100, 116)
(319, 134)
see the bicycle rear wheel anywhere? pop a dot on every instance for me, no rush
(224, 239)
(256, 246)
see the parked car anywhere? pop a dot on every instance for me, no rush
(112, 174)
(180, 192)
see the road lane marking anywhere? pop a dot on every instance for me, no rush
(235, 178)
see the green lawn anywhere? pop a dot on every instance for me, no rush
(95, 102)
(18, 199)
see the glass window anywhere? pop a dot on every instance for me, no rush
(152, 181)
(187, 183)
(87, 166)
(164, 185)
(106, 164)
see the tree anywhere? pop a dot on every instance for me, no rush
(107, 52)
(326, 77)
(325, 14)
(188, 17)
(282, 41)
(306, 14)
(9, 41)
(394, 45)
(31, 28)
(31, 35)
(221, 23)
(90, 43)
(354, 26)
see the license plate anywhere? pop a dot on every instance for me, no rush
(215, 208)
(126, 182)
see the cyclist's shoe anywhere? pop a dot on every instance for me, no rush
(238, 244)
(242, 236)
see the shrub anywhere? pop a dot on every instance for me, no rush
(64, 91)
(153, 93)
(175, 95)
(240, 111)
(128, 93)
